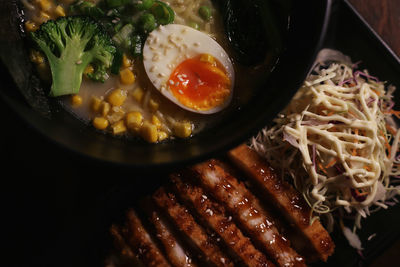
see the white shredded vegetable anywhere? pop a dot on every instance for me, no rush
(338, 142)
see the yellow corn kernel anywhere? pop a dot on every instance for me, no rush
(76, 100)
(156, 121)
(100, 123)
(162, 136)
(117, 114)
(208, 58)
(95, 103)
(117, 97)
(59, 11)
(36, 57)
(104, 108)
(45, 5)
(153, 104)
(44, 71)
(134, 120)
(44, 16)
(126, 76)
(118, 127)
(138, 94)
(183, 129)
(88, 70)
(126, 62)
(30, 26)
(148, 132)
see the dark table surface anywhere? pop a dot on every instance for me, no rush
(384, 17)
(21, 171)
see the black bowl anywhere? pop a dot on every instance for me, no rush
(308, 23)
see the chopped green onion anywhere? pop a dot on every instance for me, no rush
(163, 13)
(118, 26)
(117, 62)
(147, 22)
(123, 36)
(87, 8)
(136, 45)
(205, 13)
(194, 25)
(117, 3)
(143, 4)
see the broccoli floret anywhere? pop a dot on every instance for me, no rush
(70, 45)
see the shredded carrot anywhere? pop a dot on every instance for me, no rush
(330, 113)
(360, 193)
(331, 163)
(394, 112)
(322, 168)
(391, 129)
(356, 133)
(376, 92)
(368, 168)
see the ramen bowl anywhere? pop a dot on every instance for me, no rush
(250, 109)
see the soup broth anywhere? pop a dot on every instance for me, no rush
(128, 104)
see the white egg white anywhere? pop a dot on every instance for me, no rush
(168, 46)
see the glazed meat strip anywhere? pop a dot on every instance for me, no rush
(126, 253)
(187, 225)
(247, 210)
(285, 198)
(175, 253)
(141, 242)
(215, 216)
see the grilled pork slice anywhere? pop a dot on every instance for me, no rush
(141, 242)
(247, 210)
(285, 198)
(126, 254)
(175, 252)
(216, 218)
(187, 225)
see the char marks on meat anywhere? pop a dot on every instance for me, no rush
(248, 212)
(284, 197)
(215, 216)
(207, 216)
(185, 222)
(141, 242)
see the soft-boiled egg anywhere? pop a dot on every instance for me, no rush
(189, 68)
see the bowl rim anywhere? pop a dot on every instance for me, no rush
(25, 113)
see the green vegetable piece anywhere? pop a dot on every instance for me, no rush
(117, 3)
(147, 23)
(123, 35)
(86, 8)
(117, 62)
(194, 25)
(143, 4)
(137, 45)
(70, 45)
(205, 13)
(163, 13)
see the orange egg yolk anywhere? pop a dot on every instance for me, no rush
(200, 83)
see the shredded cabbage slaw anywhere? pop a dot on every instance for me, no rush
(338, 141)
